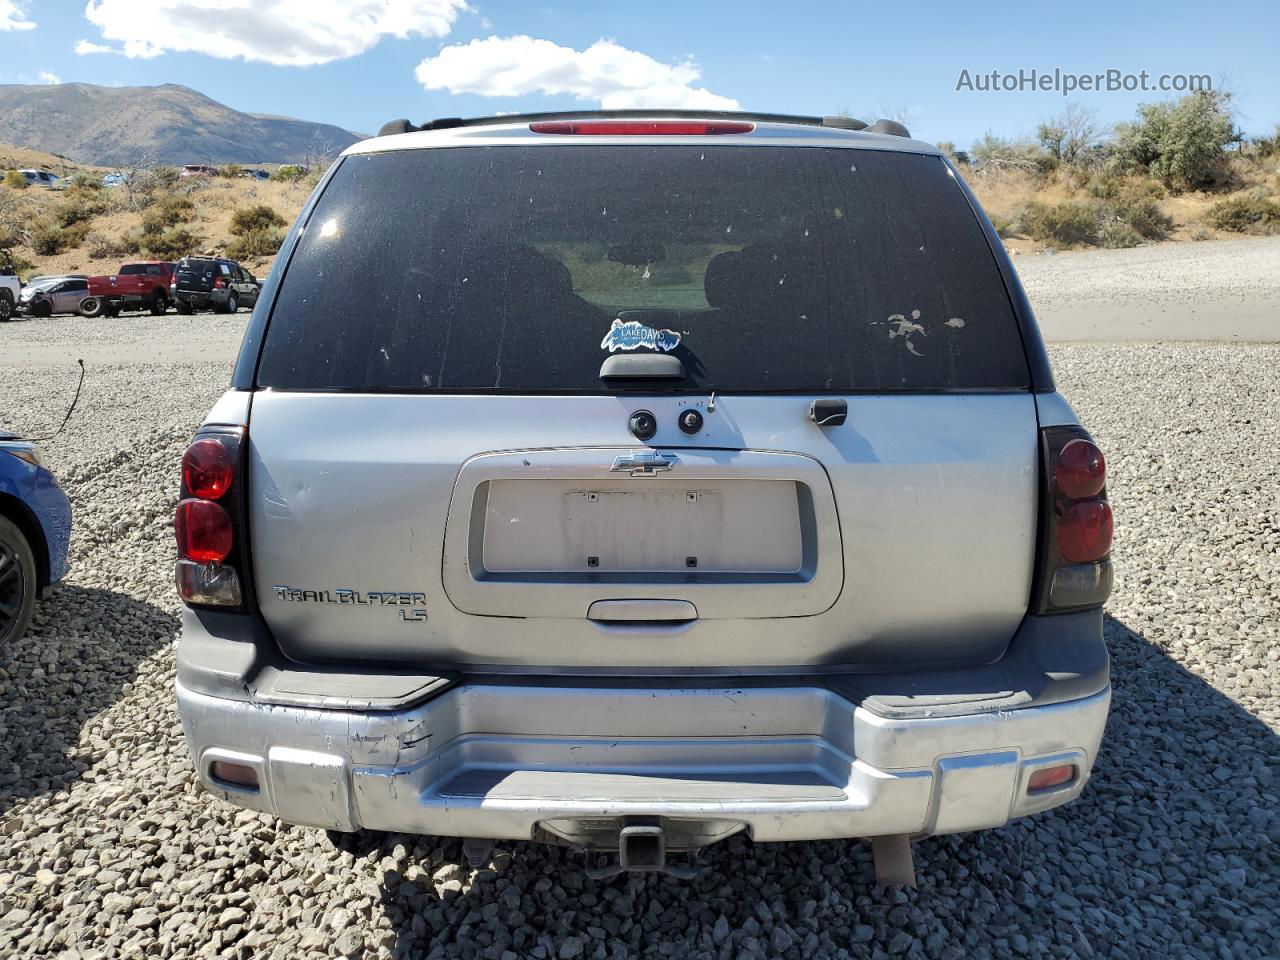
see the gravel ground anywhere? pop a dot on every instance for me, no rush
(1214, 290)
(109, 848)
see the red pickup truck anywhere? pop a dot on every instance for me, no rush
(143, 283)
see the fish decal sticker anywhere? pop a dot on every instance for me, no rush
(633, 335)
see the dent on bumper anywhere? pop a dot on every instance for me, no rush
(501, 761)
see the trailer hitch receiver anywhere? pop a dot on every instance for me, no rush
(642, 848)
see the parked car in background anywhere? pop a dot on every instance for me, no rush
(790, 535)
(115, 179)
(212, 283)
(198, 170)
(10, 291)
(255, 174)
(35, 529)
(43, 178)
(137, 285)
(49, 295)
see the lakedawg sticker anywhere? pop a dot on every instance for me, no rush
(633, 335)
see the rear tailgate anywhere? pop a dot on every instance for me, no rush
(931, 554)
(196, 275)
(439, 474)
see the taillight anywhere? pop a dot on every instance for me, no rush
(642, 128)
(206, 469)
(204, 531)
(1081, 470)
(208, 522)
(1084, 531)
(1074, 567)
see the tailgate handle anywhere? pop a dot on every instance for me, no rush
(642, 611)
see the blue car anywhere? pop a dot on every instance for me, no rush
(35, 529)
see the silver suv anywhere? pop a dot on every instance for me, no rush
(633, 480)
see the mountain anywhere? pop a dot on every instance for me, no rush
(111, 126)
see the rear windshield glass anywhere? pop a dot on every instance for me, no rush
(522, 269)
(133, 268)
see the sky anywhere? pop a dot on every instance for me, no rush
(359, 63)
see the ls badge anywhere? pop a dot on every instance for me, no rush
(411, 604)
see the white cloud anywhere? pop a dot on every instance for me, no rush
(13, 15)
(49, 77)
(294, 33)
(84, 47)
(606, 71)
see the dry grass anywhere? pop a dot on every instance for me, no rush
(1004, 195)
(215, 201)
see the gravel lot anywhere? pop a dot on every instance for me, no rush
(1215, 290)
(108, 847)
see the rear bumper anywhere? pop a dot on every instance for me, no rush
(527, 759)
(199, 299)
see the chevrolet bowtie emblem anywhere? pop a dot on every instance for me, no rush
(645, 464)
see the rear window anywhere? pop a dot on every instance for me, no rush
(521, 269)
(131, 269)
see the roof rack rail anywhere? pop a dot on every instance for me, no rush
(889, 127)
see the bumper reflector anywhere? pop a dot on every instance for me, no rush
(234, 774)
(1051, 777)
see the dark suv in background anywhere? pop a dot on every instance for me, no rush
(212, 283)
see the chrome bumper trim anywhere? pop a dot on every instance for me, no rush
(784, 763)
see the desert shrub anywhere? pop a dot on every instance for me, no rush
(102, 247)
(145, 186)
(1142, 213)
(78, 206)
(171, 244)
(1200, 233)
(257, 232)
(1068, 136)
(231, 170)
(74, 235)
(130, 243)
(290, 172)
(1180, 143)
(47, 237)
(1066, 224)
(1267, 147)
(1117, 233)
(1246, 214)
(994, 154)
(85, 181)
(262, 242)
(1104, 186)
(164, 177)
(259, 217)
(168, 212)
(15, 181)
